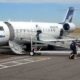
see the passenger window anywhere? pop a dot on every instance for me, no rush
(1, 28)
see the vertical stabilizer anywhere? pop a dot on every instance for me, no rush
(69, 15)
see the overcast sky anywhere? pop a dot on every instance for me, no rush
(42, 1)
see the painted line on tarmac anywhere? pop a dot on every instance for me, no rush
(21, 62)
(13, 58)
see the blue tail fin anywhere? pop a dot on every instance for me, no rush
(69, 15)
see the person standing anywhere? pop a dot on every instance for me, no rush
(38, 32)
(73, 54)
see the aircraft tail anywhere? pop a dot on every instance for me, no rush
(69, 16)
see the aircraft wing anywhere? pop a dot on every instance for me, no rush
(58, 42)
(54, 40)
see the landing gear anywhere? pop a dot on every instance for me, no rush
(32, 53)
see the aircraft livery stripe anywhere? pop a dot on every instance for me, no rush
(11, 30)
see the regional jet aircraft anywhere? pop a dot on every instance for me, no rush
(18, 35)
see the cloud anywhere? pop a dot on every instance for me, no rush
(40, 1)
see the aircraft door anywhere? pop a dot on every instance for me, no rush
(61, 33)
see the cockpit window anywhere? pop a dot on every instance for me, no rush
(1, 28)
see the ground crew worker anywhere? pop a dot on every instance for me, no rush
(38, 32)
(73, 54)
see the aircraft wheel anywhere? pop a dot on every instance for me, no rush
(31, 53)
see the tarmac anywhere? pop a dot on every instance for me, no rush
(39, 67)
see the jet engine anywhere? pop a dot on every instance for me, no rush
(69, 27)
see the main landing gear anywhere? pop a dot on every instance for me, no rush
(32, 53)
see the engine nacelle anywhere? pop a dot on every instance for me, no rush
(69, 27)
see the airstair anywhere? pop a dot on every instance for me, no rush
(17, 48)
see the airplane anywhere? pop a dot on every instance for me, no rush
(18, 34)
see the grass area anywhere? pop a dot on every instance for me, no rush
(76, 32)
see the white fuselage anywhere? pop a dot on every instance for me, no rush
(24, 31)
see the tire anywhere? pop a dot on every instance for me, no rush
(31, 53)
